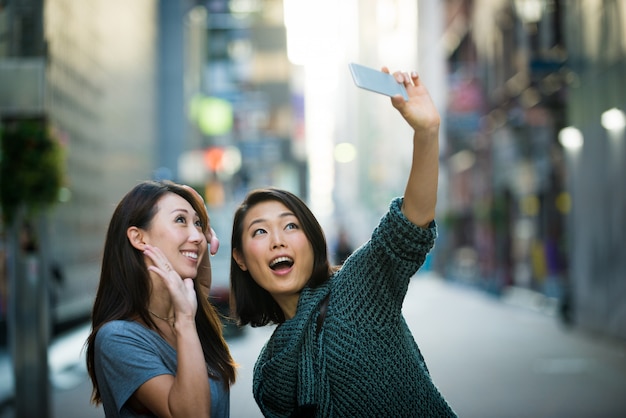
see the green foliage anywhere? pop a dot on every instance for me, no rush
(31, 164)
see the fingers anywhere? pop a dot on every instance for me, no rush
(407, 78)
(161, 264)
(181, 291)
(403, 76)
(214, 242)
(419, 111)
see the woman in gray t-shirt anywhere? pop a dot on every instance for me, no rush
(156, 346)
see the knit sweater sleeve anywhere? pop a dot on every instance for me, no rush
(373, 282)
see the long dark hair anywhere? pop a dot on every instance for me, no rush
(251, 304)
(125, 286)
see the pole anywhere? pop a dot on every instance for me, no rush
(29, 330)
(28, 299)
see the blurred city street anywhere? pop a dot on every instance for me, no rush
(490, 358)
(521, 308)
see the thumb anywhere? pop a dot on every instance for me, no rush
(188, 282)
(398, 102)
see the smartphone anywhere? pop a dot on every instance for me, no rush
(376, 81)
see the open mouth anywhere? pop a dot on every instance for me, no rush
(281, 263)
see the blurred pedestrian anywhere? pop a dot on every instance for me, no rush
(343, 248)
(55, 286)
(156, 346)
(28, 239)
(342, 347)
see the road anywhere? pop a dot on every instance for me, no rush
(489, 357)
(495, 359)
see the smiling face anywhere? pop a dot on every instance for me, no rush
(176, 229)
(276, 252)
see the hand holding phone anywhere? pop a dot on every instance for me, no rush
(377, 81)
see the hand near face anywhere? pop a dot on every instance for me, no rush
(181, 290)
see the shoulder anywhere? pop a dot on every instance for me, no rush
(125, 345)
(127, 355)
(118, 332)
(121, 327)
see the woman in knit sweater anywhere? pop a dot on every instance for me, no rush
(342, 347)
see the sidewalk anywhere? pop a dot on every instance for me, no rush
(70, 387)
(511, 356)
(491, 358)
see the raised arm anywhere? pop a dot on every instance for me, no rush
(420, 196)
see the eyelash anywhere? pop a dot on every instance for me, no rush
(290, 225)
(197, 223)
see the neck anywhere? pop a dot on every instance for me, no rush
(288, 304)
(169, 319)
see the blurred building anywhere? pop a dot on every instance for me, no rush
(242, 99)
(596, 44)
(524, 209)
(507, 83)
(358, 146)
(239, 111)
(195, 91)
(113, 104)
(228, 95)
(102, 102)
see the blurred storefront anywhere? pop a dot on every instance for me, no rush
(596, 103)
(521, 212)
(506, 101)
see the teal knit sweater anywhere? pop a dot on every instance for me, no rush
(364, 362)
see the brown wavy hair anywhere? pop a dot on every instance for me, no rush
(124, 289)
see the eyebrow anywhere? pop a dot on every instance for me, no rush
(183, 210)
(261, 220)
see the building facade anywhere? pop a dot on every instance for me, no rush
(99, 100)
(596, 45)
(527, 209)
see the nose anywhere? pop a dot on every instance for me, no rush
(277, 241)
(195, 235)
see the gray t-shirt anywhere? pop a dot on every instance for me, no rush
(127, 355)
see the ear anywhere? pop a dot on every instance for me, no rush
(240, 260)
(135, 236)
